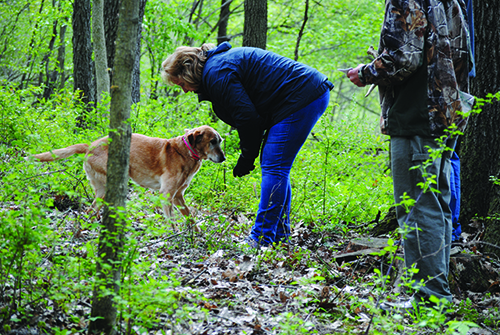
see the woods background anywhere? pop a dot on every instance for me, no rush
(57, 65)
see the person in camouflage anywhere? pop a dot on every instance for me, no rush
(422, 76)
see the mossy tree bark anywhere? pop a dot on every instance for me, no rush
(111, 240)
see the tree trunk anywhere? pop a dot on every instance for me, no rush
(110, 26)
(195, 5)
(100, 56)
(136, 75)
(153, 83)
(111, 8)
(55, 73)
(223, 20)
(480, 147)
(82, 57)
(301, 31)
(61, 54)
(50, 75)
(255, 29)
(111, 240)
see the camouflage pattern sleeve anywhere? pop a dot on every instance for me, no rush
(416, 32)
(401, 44)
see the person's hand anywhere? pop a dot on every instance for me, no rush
(243, 167)
(353, 76)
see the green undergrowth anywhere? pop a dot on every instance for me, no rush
(48, 248)
(340, 176)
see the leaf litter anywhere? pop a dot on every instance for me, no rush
(298, 287)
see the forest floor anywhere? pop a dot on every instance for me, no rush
(319, 283)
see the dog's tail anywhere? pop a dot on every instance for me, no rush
(53, 155)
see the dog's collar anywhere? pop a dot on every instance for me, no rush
(195, 156)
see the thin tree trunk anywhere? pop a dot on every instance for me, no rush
(50, 75)
(197, 19)
(223, 21)
(197, 5)
(136, 76)
(100, 55)
(154, 83)
(61, 55)
(57, 72)
(301, 31)
(193, 10)
(111, 240)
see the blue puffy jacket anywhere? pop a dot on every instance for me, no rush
(253, 89)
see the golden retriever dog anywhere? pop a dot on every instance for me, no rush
(167, 165)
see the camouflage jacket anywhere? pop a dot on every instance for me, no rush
(430, 36)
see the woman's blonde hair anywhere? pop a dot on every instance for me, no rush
(186, 63)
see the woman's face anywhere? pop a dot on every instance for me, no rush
(185, 86)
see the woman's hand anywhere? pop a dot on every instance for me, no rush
(243, 167)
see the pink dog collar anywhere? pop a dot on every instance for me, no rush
(196, 157)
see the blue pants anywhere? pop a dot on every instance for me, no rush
(455, 196)
(427, 226)
(281, 145)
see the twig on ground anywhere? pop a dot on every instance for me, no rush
(44, 174)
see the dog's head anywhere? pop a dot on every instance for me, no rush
(207, 143)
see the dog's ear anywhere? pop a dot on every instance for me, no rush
(189, 134)
(199, 135)
(192, 137)
(196, 136)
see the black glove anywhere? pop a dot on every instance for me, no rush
(243, 167)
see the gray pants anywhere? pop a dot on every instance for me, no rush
(427, 225)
